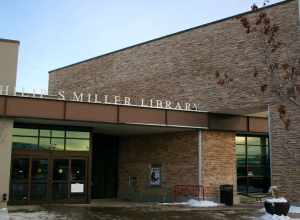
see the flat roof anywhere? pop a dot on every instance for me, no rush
(9, 41)
(176, 33)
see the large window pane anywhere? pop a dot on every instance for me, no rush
(78, 134)
(25, 132)
(254, 140)
(45, 144)
(60, 170)
(78, 170)
(38, 191)
(30, 143)
(39, 170)
(58, 133)
(240, 140)
(77, 145)
(45, 133)
(58, 144)
(60, 191)
(20, 169)
(19, 191)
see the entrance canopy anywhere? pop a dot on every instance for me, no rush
(122, 119)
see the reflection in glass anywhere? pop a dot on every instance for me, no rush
(20, 169)
(39, 170)
(38, 191)
(240, 140)
(25, 142)
(254, 140)
(77, 145)
(45, 133)
(60, 169)
(78, 170)
(58, 133)
(60, 191)
(45, 144)
(78, 134)
(19, 191)
(25, 132)
(57, 144)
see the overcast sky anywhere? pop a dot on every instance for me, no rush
(55, 33)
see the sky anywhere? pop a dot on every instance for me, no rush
(56, 33)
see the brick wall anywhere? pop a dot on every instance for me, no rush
(182, 67)
(218, 164)
(177, 153)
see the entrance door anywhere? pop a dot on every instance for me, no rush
(48, 179)
(69, 179)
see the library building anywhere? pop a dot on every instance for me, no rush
(150, 122)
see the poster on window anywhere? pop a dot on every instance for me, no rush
(155, 176)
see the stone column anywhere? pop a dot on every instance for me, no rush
(8, 75)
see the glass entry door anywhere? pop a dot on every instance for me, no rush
(48, 179)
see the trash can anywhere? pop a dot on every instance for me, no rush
(226, 194)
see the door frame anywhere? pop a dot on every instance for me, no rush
(50, 156)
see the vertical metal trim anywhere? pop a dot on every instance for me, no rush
(270, 141)
(200, 157)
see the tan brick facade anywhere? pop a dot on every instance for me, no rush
(218, 161)
(176, 153)
(182, 67)
(178, 156)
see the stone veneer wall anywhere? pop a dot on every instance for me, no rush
(175, 152)
(182, 67)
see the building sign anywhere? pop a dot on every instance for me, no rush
(104, 99)
(155, 176)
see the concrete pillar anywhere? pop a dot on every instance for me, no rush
(6, 126)
(8, 74)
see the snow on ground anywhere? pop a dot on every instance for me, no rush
(295, 209)
(195, 203)
(42, 215)
(276, 200)
(4, 214)
(201, 203)
(276, 217)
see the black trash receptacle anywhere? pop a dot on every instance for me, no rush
(226, 194)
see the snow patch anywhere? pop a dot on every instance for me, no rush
(195, 203)
(295, 209)
(276, 200)
(201, 203)
(42, 215)
(4, 214)
(276, 217)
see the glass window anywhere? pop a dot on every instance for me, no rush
(25, 132)
(60, 170)
(240, 140)
(253, 141)
(78, 170)
(78, 134)
(77, 145)
(20, 169)
(45, 133)
(45, 144)
(58, 144)
(253, 166)
(39, 170)
(25, 142)
(58, 133)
